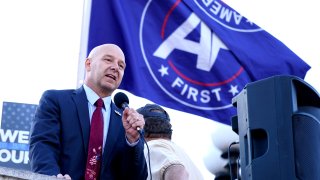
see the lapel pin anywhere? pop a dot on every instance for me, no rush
(117, 112)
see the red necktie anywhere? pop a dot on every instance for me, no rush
(95, 143)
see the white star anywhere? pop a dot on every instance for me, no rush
(163, 70)
(233, 90)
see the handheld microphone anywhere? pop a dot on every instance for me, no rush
(122, 101)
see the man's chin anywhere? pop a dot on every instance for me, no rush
(110, 86)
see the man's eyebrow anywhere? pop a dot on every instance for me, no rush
(111, 56)
(107, 55)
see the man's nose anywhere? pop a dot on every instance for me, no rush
(115, 67)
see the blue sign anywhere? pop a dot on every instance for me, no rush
(14, 134)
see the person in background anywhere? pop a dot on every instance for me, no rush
(65, 143)
(167, 160)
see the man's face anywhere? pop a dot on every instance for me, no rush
(106, 69)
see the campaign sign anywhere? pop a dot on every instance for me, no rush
(14, 134)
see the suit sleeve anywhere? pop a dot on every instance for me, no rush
(45, 135)
(138, 168)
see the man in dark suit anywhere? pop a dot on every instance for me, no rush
(60, 130)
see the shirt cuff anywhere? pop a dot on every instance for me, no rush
(132, 144)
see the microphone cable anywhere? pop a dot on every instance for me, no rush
(148, 152)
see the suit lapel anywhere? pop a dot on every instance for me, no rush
(81, 103)
(113, 133)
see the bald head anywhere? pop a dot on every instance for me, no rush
(105, 47)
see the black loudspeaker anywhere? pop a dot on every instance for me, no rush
(278, 123)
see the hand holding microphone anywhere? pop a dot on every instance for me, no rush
(132, 121)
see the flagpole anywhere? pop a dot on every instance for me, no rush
(83, 41)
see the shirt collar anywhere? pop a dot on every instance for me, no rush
(93, 97)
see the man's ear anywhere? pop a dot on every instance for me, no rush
(87, 64)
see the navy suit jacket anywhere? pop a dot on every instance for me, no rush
(59, 140)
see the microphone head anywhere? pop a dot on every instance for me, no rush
(121, 100)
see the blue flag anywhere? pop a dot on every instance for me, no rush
(193, 56)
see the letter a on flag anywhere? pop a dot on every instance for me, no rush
(191, 55)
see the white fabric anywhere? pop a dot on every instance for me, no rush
(164, 153)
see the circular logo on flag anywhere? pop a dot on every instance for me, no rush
(186, 59)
